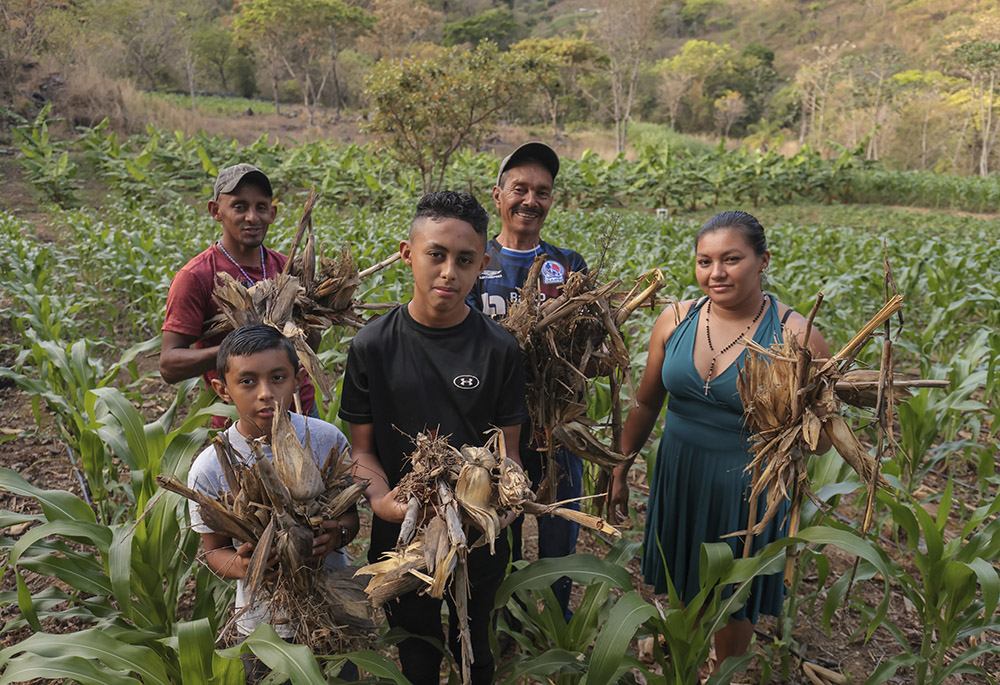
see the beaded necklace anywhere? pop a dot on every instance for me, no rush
(263, 267)
(708, 336)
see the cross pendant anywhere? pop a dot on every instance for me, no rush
(706, 387)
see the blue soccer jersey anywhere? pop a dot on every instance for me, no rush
(497, 286)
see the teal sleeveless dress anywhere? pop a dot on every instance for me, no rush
(699, 491)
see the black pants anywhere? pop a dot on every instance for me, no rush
(421, 615)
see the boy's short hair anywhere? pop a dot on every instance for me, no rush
(450, 204)
(248, 340)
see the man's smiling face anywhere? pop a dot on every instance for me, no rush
(524, 200)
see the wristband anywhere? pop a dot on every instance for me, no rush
(343, 536)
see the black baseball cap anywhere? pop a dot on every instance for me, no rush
(539, 152)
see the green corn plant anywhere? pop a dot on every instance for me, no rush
(932, 416)
(954, 587)
(62, 378)
(686, 630)
(124, 577)
(590, 647)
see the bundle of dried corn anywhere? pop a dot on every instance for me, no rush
(564, 338)
(301, 301)
(280, 506)
(791, 402)
(270, 302)
(454, 489)
(327, 296)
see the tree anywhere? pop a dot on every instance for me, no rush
(400, 24)
(424, 111)
(687, 74)
(980, 60)
(728, 109)
(924, 91)
(814, 82)
(561, 60)
(21, 34)
(216, 53)
(673, 85)
(304, 37)
(625, 31)
(497, 25)
(147, 30)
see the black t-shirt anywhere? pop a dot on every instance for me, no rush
(403, 378)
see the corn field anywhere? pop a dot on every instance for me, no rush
(104, 585)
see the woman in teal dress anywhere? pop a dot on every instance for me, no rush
(699, 490)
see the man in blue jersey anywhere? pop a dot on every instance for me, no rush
(523, 196)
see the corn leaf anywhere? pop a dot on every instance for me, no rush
(606, 664)
(57, 505)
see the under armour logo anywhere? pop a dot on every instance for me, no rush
(466, 382)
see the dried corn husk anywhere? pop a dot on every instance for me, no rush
(562, 339)
(471, 487)
(280, 506)
(791, 403)
(304, 299)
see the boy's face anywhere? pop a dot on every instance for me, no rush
(254, 383)
(446, 257)
(245, 215)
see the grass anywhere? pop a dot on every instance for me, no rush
(217, 105)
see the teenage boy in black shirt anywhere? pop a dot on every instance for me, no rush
(434, 364)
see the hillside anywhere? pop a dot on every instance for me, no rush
(908, 83)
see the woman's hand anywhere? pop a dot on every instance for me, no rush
(617, 497)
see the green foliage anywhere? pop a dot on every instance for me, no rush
(45, 159)
(592, 643)
(124, 574)
(425, 111)
(953, 585)
(498, 25)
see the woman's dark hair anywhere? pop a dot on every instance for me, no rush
(745, 223)
(252, 339)
(449, 204)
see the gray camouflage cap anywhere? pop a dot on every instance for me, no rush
(231, 176)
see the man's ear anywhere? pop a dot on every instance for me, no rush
(496, 196)
(213, 210)
(274, 211)
(221, 390)
(406, 252)
(486, 262)
(300, 377)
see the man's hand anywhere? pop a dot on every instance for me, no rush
(508, 518)
(335, 536)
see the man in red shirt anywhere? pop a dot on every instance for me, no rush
(243, 203)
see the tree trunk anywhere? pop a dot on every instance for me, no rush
(189, 64)
(988, 136)
(274, 87)
(336, 79)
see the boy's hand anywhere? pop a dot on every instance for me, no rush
(507, 518)
(388, 508)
